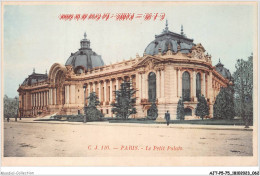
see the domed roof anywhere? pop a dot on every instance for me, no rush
(223, 71)
(85, 58)
(35, 78)
(168, 39)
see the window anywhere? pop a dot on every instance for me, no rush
(198, 85)
(151, 87)
(186, 86)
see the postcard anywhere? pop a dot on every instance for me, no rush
(129, 84)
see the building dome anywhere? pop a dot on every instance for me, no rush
(223, 71)
(169, 40)
(35, 78)
(85, 58)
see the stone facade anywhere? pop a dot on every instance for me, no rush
(62, 92)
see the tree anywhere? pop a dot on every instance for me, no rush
(202, 108)
(180, 110)
(152, 113)
(224, 105)
(10, 107)
(243, 87)
(91, 111)
(124, 104)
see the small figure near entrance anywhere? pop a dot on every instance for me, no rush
(167, 117)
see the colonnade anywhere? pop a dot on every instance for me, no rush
(40, 99)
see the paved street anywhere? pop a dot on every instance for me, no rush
(54, 139)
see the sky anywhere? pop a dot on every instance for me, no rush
(35, 37)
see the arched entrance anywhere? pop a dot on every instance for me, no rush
(151, 87)
(60, 94)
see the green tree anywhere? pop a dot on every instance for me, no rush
(243, 87)
(10, 107)
(202, 108)
(91, 111)
(180, 110)
(224, 105)
(124, 104)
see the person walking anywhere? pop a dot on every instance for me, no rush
(167, 117)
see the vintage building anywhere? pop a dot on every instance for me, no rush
(171, 67)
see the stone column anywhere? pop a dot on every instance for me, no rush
(31, 100)
(194, 85)
(140, 86)
(47, 97)
(88, 89)
(175, 84)
(111, 92)
(162, 85)
(210, 91)
(66, 94)
(143, 87)
(50, 96)
(72, 94)
(94, 87)
(99, 91)
(203, 84)
(40, 99)
(117, 83)
(158, 85)
(179, 84)
(43, 98)
(54, 99)
(35, 99)
(105, 91)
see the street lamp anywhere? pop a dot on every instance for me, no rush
(85, 115)
(17, 109)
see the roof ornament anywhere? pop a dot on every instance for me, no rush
(85, 35)
(33, 70)
(166, 26)
(182, 30)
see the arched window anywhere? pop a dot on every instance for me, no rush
(198, 85)
(186, 86)
(151, 87)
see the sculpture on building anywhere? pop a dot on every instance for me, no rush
(152, 112)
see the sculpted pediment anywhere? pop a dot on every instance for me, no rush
(148, 61)
(198, 52)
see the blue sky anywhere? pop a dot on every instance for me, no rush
(34, 37)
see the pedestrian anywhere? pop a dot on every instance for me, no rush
(167, 117)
